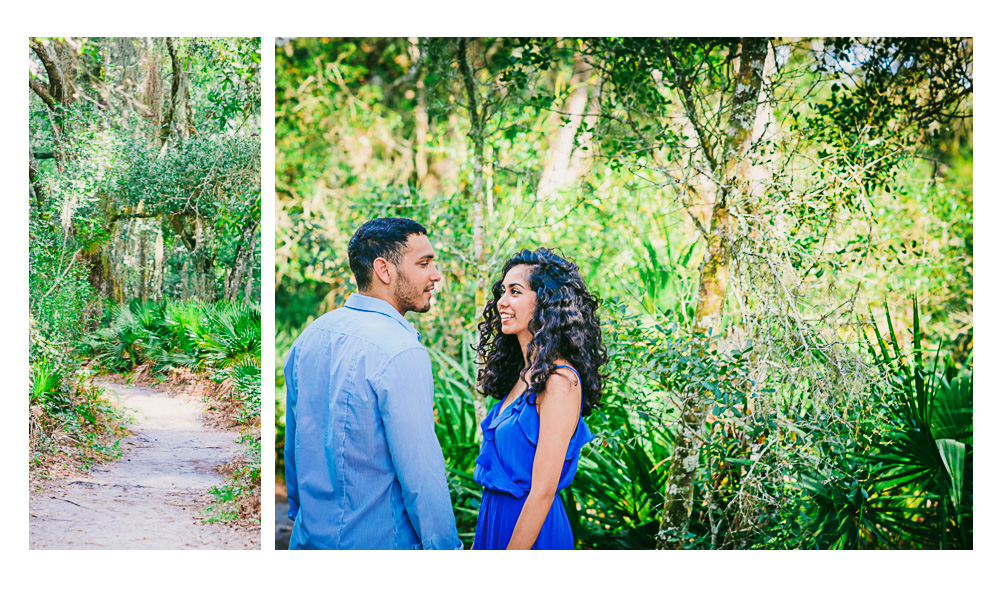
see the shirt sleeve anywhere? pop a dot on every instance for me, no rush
(291, 399)
(405, 392)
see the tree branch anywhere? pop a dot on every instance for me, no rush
(466, 74)
(688, 104)
(57, 86)
(130, 215)
(35, 183)
(43, 92)
(63, 274)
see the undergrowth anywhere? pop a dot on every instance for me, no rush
(208, 352)
(71, 422)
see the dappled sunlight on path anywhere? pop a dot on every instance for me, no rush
(154, 496)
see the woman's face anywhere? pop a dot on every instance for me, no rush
(516, 305)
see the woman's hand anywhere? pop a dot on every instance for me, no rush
(558, 411)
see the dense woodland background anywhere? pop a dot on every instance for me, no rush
(144, 234)
(780, 230)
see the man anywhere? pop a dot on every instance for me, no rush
(363, 465)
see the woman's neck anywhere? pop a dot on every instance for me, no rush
(524, 338)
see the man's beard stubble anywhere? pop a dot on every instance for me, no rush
(409, 296)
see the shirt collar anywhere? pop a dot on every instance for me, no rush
(366, 303)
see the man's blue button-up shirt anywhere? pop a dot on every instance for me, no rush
(364, 468)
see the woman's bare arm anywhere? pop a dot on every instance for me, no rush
(558, 410)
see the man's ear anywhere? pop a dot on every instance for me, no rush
(384, 270)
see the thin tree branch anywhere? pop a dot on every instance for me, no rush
(688, 103)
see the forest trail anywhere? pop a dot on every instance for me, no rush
(153, 496)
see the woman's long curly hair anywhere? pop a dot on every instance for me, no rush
(565, 325)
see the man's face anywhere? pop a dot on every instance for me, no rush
(417, 276)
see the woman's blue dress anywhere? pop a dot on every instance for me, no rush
(504, 468)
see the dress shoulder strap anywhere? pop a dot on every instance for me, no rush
(580, 379)
(572, 369)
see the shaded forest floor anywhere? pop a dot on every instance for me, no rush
(155, 496)
(282, 523)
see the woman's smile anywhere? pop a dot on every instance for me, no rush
(516, 305)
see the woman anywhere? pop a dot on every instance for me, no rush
(540, 349)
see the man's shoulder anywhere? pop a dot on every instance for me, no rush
(363, 327)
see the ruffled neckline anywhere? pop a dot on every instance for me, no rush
(511, 472)
(497, 415)
(529, 423)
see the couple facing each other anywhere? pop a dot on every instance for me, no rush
(363, 465)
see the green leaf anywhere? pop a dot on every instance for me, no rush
(952, 454)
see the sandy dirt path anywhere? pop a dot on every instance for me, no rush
(152, 498)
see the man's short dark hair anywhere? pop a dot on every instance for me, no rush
(382, 237)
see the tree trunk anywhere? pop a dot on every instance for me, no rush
(583, 151)
(204, 267)
(477, 134)
(204, 262)
(107, 271)
(178, 119)
(762, 154)
(248, 294)
(141, 270)
(557, 172)
(157, 283)
(149, 92)
(422, 122)
(36, 185)
(59, 59)
(101, 274)
(242, 265)
(733, 171)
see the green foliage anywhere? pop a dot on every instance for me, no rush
(865, 195)
(229, 72)
(231, 335)
(615, 499)
(144, 211)
(191, 333)
(70, 419)
(110, 191)
(245, 375)
(239, 496)
(457, 430)
(922, 462)
(893, 472)
(454, 395)
(46, 382)
(222, 341)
